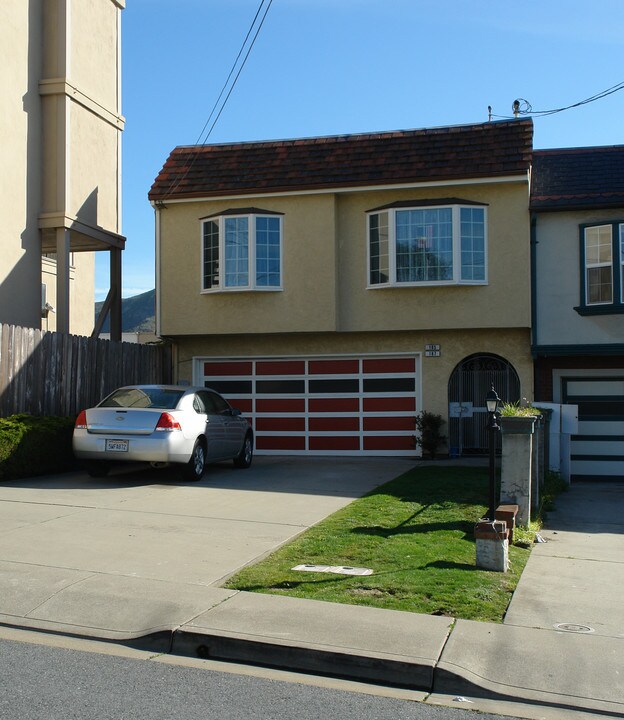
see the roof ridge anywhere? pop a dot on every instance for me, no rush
(372, 135)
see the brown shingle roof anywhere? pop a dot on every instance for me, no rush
(578, 178)
(447, 153)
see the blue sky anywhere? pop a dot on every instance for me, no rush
(325, 67)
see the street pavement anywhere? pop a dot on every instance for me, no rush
(139, 558)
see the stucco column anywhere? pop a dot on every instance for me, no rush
(62, 280)
(517, 464)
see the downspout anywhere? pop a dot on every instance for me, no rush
(157, 211)
(534, 243)
(537, 390)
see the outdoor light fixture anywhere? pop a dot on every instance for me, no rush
(491, 402)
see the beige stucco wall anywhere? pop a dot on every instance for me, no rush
(325, 269)
(94, 50)
(59, 144)
(20, 157)
(307, 301)
(511, 344)
(558, 283)
(81, 290)
(505, 300)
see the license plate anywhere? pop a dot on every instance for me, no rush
(117, 446)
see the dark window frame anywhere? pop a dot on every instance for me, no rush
(616, 306)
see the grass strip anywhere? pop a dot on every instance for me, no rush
(416, 534)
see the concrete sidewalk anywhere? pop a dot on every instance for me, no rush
(560, 652)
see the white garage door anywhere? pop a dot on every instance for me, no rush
(322, 406)
(598, 449)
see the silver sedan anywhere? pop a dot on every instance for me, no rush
(162, 424)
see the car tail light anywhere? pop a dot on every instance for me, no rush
(167, 423)
(81, 421)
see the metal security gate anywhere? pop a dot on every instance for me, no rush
(468, 385)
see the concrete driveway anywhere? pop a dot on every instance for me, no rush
(138, 551)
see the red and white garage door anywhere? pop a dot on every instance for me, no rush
(322, 406)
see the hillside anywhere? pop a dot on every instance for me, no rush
(137, 313)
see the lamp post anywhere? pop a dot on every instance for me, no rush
(491, 402)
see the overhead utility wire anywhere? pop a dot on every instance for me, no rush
(199, 141)
(528, 110)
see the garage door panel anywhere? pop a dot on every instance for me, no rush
(289, 424)
(389, 423)
(230, 388)
(339, 405)
(394, 404)
(601, 428)
(335, 443)
(281, 367)
(385, 365)
(334, 424)
(334, 405)
(277, 442)
(390, 442)
(598, 445)
(333, 367)
(279, 405)
(227, 368)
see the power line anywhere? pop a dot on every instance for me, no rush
(523, 107)
(199, 141)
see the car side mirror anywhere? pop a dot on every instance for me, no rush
(236, 412)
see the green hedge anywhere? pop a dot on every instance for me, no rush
(31, 445)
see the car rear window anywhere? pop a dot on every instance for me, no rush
(143, 398)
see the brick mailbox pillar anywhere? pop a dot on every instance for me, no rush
(517, 464)
(492, 539)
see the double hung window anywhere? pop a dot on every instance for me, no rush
(427, 244)
(242, 250)
(602, 268)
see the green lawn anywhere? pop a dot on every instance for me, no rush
(416, 534)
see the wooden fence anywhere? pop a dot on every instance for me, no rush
(49, 373)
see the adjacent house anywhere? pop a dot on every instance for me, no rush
(334, 287)
(60, 187)
(577, 207)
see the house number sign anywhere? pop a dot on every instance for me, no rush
(432, 351)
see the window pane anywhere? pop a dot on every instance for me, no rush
(378, 249)
(598, 265)
(211, 254)
(472, 231)
(599, 285)
(424, 245)
(267, 252)
(598, 245)
(236, 252)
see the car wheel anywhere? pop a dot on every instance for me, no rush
(245, 456)
(196, 466)
(97, 468)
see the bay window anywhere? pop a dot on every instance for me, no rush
(427, 243)
(242, 250)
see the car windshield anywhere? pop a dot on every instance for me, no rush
(146, 397)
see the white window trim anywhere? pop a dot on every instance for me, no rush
(456, 220)
(251, 225)
(591, 266)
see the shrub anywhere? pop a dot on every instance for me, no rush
(31, 445)
(429, 439)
